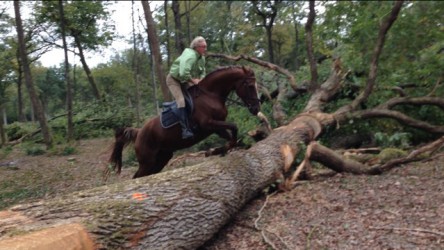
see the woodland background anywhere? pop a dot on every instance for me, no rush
(340, 74)
(78, 101)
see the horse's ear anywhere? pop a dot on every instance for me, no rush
(246, 69)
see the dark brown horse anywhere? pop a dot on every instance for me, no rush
(154, 145)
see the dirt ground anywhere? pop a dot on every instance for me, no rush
(401, 209)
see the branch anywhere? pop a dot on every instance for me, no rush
(425, 100)
(336, 162)
(413, 156)
(328, 89)
(192, 8)
(400, 117)
(385, 26)
(409, 229)
(259, 62)
(438, 82)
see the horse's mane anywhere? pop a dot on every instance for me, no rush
(223, 68)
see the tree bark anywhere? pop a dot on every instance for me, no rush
(70, 125)
(135, 67)
(2, 129)
(21, 114)
(167, 30)
(37, 106)
(180, 45)
(155, 50)
(309, 43)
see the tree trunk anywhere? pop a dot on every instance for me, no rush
(268, 22)
(20, 107)
(37, 106)
(175, 209)
(89, 75)
(309, 43)
(167, 30)
(2, 128)
(180, 45)
(296, 37)
(155, 50)
(70, 127)
(135, 67)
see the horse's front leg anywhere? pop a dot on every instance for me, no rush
(225, 130)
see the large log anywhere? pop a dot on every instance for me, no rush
(178, 209)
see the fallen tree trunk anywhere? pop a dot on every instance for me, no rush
(176, 209)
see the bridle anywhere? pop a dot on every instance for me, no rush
(250, 99)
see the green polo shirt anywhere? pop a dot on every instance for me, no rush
(187, 66)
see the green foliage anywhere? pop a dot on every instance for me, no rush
(129, 157)
(33, 149)
(11, 193)
(388, 154)
(69, 150)
(51, 87)
(211, 142)
(412, 54)
(244, 120)
(295, 106)
(5, 151)
(399, 140)
(87, 20)
(98, 119)
(17, 130)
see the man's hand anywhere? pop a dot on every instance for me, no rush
(195, 81)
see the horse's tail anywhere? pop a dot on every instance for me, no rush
(124, 136)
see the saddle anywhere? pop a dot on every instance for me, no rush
(168, 118)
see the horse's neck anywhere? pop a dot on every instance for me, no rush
(221, 86)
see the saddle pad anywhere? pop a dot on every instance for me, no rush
(168, 119)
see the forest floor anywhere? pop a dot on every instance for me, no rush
(401, 209)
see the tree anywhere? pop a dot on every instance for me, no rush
(179, 40)
(82, 23)
(6, 55)
(70, 125)
(37, 106)
(309, 40)
(135, 66)
(155, 49)
(267, 11)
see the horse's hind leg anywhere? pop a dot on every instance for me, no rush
(147, 162)
(153, 164)
(163, 157)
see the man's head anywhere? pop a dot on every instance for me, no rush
(199, 44)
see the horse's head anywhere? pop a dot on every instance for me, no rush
(247, 91)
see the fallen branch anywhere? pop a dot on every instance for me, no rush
(256, 225)
(265, 64)
(409, 229)
(336, 162)
(415, 155)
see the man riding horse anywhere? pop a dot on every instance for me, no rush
(187, 70)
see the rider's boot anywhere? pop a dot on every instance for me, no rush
(183, 120)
